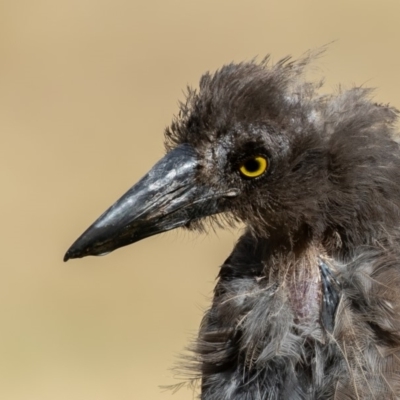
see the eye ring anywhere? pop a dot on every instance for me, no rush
(253, 167)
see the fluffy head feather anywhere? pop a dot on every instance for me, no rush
(334, 167)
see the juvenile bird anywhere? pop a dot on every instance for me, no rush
(307, 306)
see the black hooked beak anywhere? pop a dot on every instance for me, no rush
(166, 198)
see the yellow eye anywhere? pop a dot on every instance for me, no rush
(254, 167)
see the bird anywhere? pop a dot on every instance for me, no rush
(307, 305)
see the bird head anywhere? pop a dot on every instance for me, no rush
(249, 145)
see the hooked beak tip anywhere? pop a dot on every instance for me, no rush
(73, 253)
(67, 256)
(70, 255)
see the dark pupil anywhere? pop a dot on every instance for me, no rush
(252, 165)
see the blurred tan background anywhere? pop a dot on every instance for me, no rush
(86, 89)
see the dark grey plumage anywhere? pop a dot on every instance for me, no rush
(307, 306)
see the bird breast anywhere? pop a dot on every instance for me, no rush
(271, 304)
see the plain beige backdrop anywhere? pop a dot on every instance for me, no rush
(86, 90)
